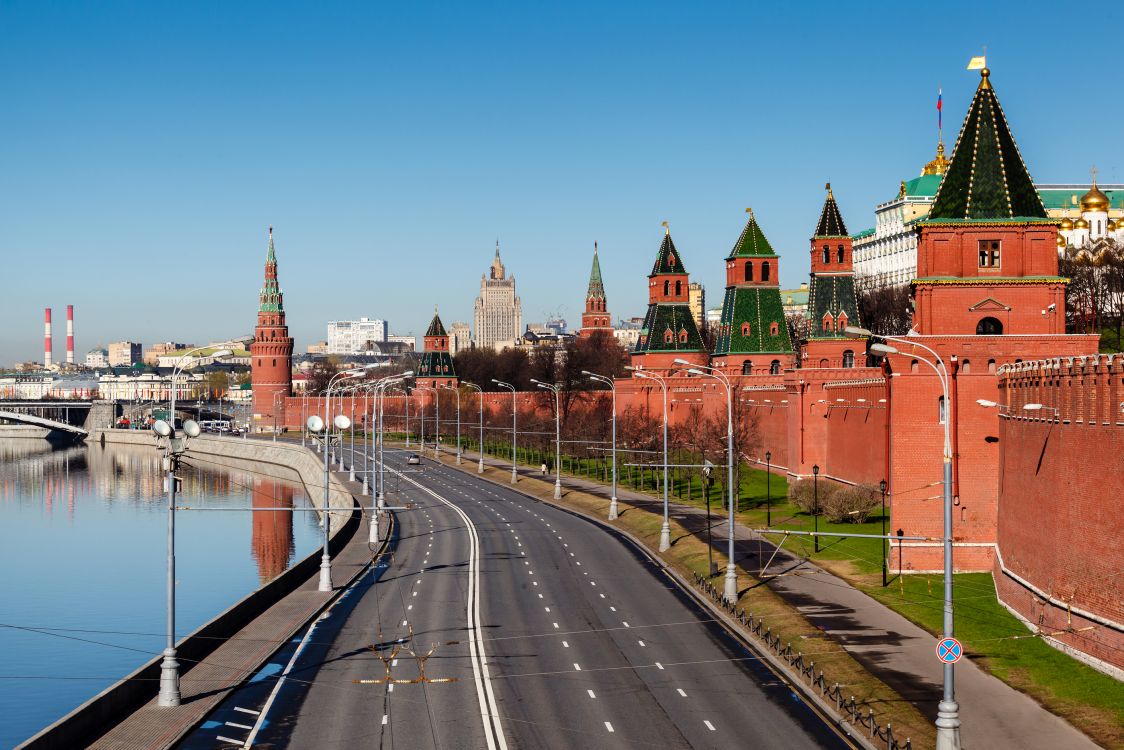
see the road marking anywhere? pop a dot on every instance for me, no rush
(220, 738)
(591, 695)
(385, 718)
(247, 710)
(709, 725)
(641, 642)
(577, 667)
(602, 596)
(613, 609)
(565, 645)
(547, 608)
(394, 663)
(390, 688)
(681, 692)
(609, 727)
(658, 665)
(409, 607)
(556, 626)
(238, 726)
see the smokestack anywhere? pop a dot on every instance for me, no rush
(70, 334)
(47, 349)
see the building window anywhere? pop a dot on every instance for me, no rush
(841, 324)
(775, 367)
(989, 327)
(942, 412)
(748, 271)
(747, 367)
(774, 329)
(668, 336)
(765, 271)
(848, 358)
(678, 288)
(826, 254)
(839, 254)
(990, 253)
(682, 335)
(666, 287)
(745, 329)
(828, 323)
(966, 367)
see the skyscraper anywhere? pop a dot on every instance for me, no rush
(498, 316)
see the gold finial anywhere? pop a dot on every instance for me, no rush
(985, 75)
(901, 190)
(1093, 173)
(666, 227)
(827, 187)
(750, 212)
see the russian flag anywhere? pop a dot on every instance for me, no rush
(939, 113)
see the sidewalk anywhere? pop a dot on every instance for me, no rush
(993, 715)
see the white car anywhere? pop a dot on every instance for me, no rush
(413, 459)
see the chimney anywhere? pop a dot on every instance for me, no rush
(47, 339)
(70, 334)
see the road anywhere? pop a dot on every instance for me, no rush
(557, 634)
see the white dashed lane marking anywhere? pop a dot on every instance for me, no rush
(681, 692)
(709, 725)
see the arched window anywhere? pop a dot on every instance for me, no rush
(775, 367)
(942, 412)
(823, 363)
(841, 324)
(913, 366)
(991, 366)
(747, 367)
(668, 336)
(848, 358)
(828, 323)
(826, 254)
(748, 271)
(989, 327)
(966, 367)
(682, 335)
(774, 329)
(678, 288)
(666, 287)
(839, 254)
(745, 329)
(765, 271)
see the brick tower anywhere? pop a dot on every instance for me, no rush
(271, 354)
(435, 366)
(669, 330)
(753, 335)
(831, 298)
(596, 315)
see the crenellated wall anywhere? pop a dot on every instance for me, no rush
(1060, 519)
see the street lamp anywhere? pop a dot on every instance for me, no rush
(436, 420)
(169, 667)
(514, 433)
(768, 490)
(612, 387)
(448, 387)
(480, 400)
(665, 529)
(816, 503)
(882, 489)
(557, 435)
(948, 712)
(731, 591)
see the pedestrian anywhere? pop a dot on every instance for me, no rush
(544, 468)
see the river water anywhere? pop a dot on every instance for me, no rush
(83, 542)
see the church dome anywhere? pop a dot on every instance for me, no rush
(1112, 225)
(1094, 200)
(1067, 224)
(1081, 224)
(1061, 241)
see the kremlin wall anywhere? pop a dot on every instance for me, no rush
(987, 300)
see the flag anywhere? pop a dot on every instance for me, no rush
(939, 112)
(977, 62)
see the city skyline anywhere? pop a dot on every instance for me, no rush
(169, 174)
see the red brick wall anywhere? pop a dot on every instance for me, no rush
(1060, 478)
(956, 309)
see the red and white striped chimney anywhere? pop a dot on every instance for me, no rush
(47, 348)
(70, 334)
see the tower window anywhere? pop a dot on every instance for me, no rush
(828, 323)
(747, 367)
(775, 367)
(668, 336)
(682, 335)
(745, 329)
(942, 411)
(989, 327)
(839, 254)
(678, 288)
(826, 254)
(848, 358)
(990, 253)
(765, 271)
(748, 271)
(774, 329)
(666, 288)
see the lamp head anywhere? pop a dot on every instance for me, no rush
(680, 361)
(341, 422)
(986, 404)
(191, 428)
(221, 354)
(881, 349)
(161, 428)
(882, 485)
(1032, 407)
(854, 332)
(695, 370)
(314, 423)
(816, 469)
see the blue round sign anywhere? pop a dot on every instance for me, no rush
(949, 650)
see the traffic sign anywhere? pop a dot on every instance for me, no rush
(949, 650)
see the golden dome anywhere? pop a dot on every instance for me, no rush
(1061, 241)
(1094, 200)
(1081, 224)
(1112, 225)
(938, 165)
(1067, 224)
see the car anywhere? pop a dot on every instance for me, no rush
(413, 459)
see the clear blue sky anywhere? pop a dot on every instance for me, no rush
(146, 147)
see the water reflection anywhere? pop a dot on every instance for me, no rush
(83, 529)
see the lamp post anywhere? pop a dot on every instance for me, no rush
(768, 490)
(612, 387)
(380, 479)
(406, 393)
(169, 667)
(948, 711)
(480, 400)
(514, 433)
(882, 489)
(276, 398)
(304, 415)
(457, 391)
(421, 416)
(730, 594)
(816, 503)
(665, 529)
(557, 435)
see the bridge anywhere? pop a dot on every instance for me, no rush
(51, 424)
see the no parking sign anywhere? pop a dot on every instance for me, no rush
(949, 650)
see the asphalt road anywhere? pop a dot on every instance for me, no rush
(555, 632)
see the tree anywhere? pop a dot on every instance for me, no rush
(217, 383)
(323, 370)
(884, 309)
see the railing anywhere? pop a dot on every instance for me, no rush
(846, 706)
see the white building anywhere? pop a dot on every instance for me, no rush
(356, 336)
(460, 337)
(498, 315)
(97, 358)
(409, 341)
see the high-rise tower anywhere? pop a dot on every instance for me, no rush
(271, 354)
(753, 334)
(596, 315)
(498, 314)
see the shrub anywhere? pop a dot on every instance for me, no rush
(837, 502)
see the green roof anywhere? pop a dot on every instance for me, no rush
(986, 178)
(1060, 199)
(668, 260)
(831, 295)
(863, 233)
(436, 327)
(751, 242)
(761, 308)
(664, 317)
(924, 186)
(435, 365)
(831, 221)
(270, 297)
(596, 286)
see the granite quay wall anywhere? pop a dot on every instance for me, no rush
(1060, 523)
(281, 461)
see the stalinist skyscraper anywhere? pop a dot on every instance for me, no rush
(499, 315)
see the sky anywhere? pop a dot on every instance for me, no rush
(147, 147)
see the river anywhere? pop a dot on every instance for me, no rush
(83, 534)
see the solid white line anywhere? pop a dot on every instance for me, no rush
(709, 725)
